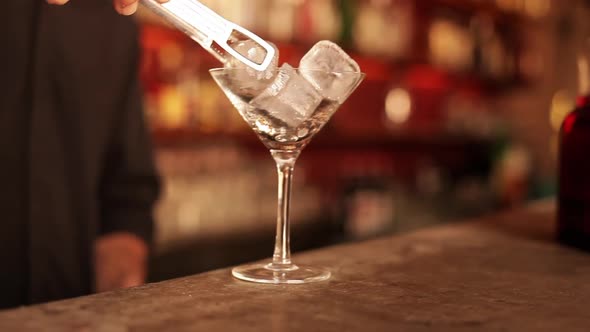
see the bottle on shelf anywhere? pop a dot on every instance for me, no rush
(574, 164)
(384, 28)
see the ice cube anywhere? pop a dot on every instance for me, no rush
(251, 81)
(290, 98)
(321, 65)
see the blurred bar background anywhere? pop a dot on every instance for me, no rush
(457, 118)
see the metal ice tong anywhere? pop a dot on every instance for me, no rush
(210, 30)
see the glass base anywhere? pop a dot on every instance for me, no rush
(269, 273)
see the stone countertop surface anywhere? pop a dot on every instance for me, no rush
(499, 273)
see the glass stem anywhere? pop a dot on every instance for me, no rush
(285, 161)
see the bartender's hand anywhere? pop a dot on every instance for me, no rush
(124, 7)
(120, 261)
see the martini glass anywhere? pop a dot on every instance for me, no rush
(285, 140)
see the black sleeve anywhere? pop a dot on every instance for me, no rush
(130, 184)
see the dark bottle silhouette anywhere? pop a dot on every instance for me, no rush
(574, 177)
(574, 165)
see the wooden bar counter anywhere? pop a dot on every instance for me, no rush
(500, 273)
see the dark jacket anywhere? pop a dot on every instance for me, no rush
(75, 157)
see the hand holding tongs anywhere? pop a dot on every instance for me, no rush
(210, 30)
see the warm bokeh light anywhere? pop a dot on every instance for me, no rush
(537, 8)
(562, 103)
(398, 105)
(173, 104)
(450, 46)
(583, 73)
(532, 8)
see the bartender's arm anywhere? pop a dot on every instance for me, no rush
(124, 7)
(129, 184)
(128, 191)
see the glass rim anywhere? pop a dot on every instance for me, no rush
(221, 69)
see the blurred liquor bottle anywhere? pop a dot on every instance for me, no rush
(574, 164)
(282, 18)
(383, 28)
(318, 20)
(347, 11)
(492, 57)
